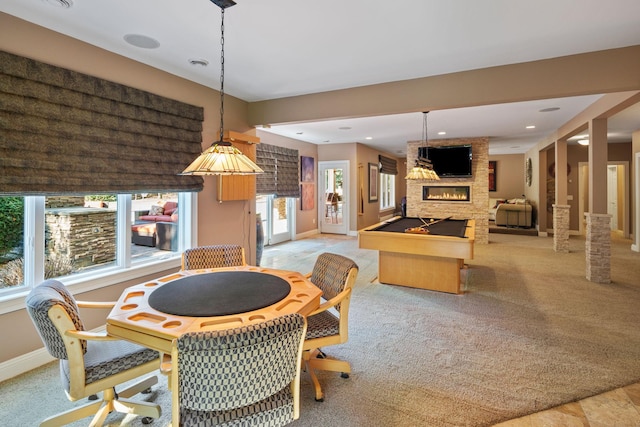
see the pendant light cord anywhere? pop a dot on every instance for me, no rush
(222, 77)
(425, 135)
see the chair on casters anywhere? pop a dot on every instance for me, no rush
(244, 376)
(90, 362)
(334, 275)
(213, 256)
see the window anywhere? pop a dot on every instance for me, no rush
(387, 191)
(79, 239)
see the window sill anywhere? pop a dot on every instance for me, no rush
(86, 283)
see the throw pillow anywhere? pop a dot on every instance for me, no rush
(156, 210)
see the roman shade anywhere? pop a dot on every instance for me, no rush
(63, 132)
(281, 166)
(388, 165)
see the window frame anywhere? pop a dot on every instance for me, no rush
(387, 184)
(122, 270)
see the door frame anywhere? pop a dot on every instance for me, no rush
(346, 196)
(267, 222)
(623, 199)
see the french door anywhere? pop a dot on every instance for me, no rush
(278, 218)
(333, 196)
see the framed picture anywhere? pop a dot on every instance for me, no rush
(307, 196)
(492, 175)
(307, 169)
(373, 182)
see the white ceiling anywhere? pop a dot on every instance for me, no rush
(279, 48)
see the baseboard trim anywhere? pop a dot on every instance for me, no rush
(306, 234)
(24, 363)
(30, 361)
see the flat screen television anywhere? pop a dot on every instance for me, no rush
(449, 161)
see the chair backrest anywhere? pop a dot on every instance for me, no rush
(213, 256)
(39, 301)
(222, 370)
(333, 273)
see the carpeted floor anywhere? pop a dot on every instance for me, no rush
(529, 333)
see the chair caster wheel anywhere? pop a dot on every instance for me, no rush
(344, 375)
(147, 420)
(93, 397)
(147, 391)
(320, 400)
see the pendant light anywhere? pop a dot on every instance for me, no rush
(423, 169)
(222, 158)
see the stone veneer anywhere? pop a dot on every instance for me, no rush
(598, 247)
(81, 236)
(478, 182)
(561, 228)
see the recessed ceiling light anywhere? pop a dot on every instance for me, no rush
(368, 137)
(577, 137)
(139, 40)
(199, 62)
(531, 127)
(550, 109)
(583, 142)
(65, 4)
(345, 128)
(442, 133)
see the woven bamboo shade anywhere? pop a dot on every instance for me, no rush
(64, 132)
(281, 168)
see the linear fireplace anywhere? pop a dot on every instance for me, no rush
(458, 193)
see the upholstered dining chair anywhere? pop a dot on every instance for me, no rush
(328, 325)
(90, 362)
(244, 376)
(213, 256)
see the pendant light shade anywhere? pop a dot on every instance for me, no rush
(222, 158)
(423, 169)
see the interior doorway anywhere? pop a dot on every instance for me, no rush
(617, 195)
(333, 196)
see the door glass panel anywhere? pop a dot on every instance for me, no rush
(333, 198)
(280, 223)
(275, 214)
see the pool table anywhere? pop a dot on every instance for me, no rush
(430, 260)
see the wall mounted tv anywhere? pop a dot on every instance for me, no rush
(449, 161)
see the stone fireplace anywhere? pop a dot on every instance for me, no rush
(441, 199)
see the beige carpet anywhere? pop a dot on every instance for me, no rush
(529, 333)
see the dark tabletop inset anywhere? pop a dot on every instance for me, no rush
(448, 227)
(219, 294)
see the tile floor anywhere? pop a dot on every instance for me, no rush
(615, 408)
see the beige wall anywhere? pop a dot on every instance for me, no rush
(509, 176)
(600, 72)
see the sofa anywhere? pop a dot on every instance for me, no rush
(161, 212)
(157, 227)
(511, 212)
